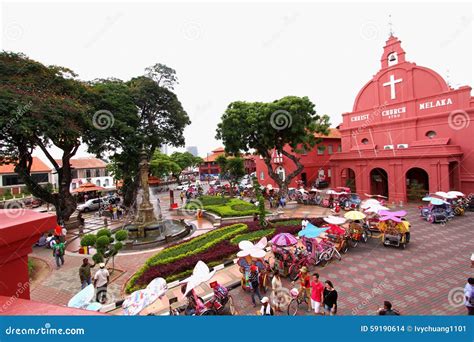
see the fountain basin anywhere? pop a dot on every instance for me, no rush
(156, 233)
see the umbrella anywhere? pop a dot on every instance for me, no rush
(375, 208)
(314, 190)
(354, 215)
(201, 274)
(437, 201)
(140, 299)
(456, 193)
(335, 229)
(334, 219)
(83, 298)
(302, 191)
(400, 213)
(87, 187)
(427, 198)
(284, 239)
(369, 202)
(311, 231)
(441, 194)
(255, 251)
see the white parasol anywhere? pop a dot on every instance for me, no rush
(334, 220)
(375, 208)
(255, 251)
(369, 202)
(83, 298)
(456, 193)
(201, 274)
(140, 299)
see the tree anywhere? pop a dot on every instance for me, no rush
(232, 168)
(40, 107)
(185, 160)
(106, 244)
(286, 126)
(162, 165)
(152, 116)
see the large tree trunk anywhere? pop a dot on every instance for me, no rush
(283, 184)
(63, 201)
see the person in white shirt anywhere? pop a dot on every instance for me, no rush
(101, 280)
(266, 309)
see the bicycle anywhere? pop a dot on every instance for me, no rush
(298, 298)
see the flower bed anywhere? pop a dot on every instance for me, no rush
(177, 262)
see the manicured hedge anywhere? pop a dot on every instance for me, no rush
(235, 207)
(177, 262)
(196, 245)
(252, 236)
(170, 260)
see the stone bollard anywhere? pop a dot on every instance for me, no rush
(401, 204)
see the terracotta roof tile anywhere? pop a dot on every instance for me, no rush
(37, 166)
(333, 134)
(85, 163)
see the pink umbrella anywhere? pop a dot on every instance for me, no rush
(284, 239)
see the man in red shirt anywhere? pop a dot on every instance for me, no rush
(317, 289)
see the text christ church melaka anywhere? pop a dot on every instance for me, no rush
(407, 126)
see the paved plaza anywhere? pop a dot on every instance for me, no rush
(424, 279)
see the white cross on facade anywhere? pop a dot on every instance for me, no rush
(392, 83)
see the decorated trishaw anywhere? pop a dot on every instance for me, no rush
(336, 233)
(252, 255)
(371, 208)
(288, 257)
(196, 306)
(395, 228)
(357, 230)
(379, 198)
(320, 250)
(460, 203)
(436, 211)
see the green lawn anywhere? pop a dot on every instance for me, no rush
(224, 206)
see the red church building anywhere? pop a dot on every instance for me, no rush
(316, 163)
(408, 130)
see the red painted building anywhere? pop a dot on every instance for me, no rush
(408, 128)
(316, 162)
(209, 167)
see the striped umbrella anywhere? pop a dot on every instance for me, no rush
(284, 239)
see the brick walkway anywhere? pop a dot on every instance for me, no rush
(417, 280)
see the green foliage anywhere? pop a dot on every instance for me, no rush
(106, 244)
(234, 207)
(98, 258)
(118, 246)
(290, 122)
(213, 200)
(196, 245)
(416, 191)
(88, 240)
(252, 236)
(185, 249)
(102, 242)
(121, 235)
(104, 232)
(285, 223)
(162, 165)
(31, 267)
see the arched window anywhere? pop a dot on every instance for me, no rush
(281, 173)
(392, 59)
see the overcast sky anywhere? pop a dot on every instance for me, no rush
(224, 52)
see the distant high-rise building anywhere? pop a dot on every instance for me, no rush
(164, 149)
(193, 150)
